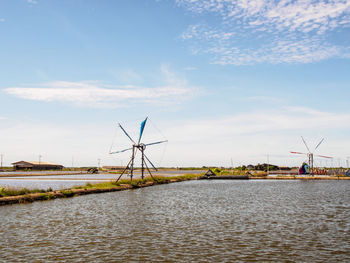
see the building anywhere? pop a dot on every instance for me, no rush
(23, 165)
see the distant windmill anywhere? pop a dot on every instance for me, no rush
(137, 147)
(311, 155)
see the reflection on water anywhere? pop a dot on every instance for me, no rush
(196, 221)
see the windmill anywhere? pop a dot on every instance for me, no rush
(137, 146)
(311, 155)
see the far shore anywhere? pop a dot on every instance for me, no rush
(298, 177)
(17, 196)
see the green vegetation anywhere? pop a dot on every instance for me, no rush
(25, 195)
(11, 191)
(6, 168)
(235, 171)
(47, 196)
(136, 183)
(263, 167)
(193, 168)
(67, 193)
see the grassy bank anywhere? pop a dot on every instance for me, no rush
(23, 195)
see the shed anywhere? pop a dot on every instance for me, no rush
(24, 165)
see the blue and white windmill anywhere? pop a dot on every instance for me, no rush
(137, 146)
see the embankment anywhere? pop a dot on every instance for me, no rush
(9, 196)
(18, 196)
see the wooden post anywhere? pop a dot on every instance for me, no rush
(132, 162)
(142, 162)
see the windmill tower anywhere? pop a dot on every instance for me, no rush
(311, 155)
(137, 146)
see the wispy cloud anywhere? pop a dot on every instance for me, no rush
(246, 137)
(32, 2)
(263, 121)
(97, 94)
(262, 31)
(2, 20)
(251, 135)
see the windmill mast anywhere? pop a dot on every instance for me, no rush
(311, 163)
(132, 162)
(311, 155)
(135, 147)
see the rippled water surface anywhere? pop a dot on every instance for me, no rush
(196, 221)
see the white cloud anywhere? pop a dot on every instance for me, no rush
(248, 137)
(2, 20)
(262, 121)
(96, 94)
(262, 31)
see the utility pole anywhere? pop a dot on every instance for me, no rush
(347, 162)
(99, 162)
(40, 158)
(268, 165)
(2, 156)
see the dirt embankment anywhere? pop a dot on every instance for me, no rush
(18, 199)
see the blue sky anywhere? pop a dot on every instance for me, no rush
(219, 79)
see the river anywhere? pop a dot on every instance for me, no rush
(195, 221)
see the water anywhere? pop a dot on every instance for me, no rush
(196, 221)
(57, 182)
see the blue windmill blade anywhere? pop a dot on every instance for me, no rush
(152, 143)
(121, 151)
(121, 127)
(143, 124)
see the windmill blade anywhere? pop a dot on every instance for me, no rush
(121, 151)
(121, 127)
(298, 153)
(152, 143)
(150, 162)
(319, 143)
(305, 144)
(141, 129)
(324, 156)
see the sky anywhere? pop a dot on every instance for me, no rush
(226, 82)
